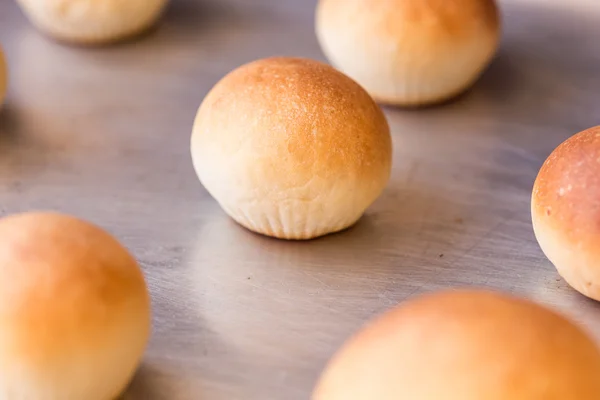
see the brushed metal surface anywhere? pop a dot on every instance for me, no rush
(103, 134)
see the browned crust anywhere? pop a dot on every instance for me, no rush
(65, 280)
(566, 193)
(3, 76)
(286, 130)
(275, 88)
(465, 345)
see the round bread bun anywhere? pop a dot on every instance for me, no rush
(465, 345)
(3, 77)
(410, 52)
(92, 21)
(74, 310)
(291, 148)
(565, 210)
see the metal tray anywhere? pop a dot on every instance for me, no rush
(104, 134)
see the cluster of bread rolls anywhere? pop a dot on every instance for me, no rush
(296, 149)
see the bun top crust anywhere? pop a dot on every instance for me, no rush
(566, 193)
(429, 22)
(3, 76)
(64, 281)
(465, 345)
(279, 125)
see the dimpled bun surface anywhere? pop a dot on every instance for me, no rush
(565, 209)
(92, 21)
(410, 52)
(3, 77)
(291, 148)
(465, 345)
(74, 310)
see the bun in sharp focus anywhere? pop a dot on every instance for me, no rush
(291, 148)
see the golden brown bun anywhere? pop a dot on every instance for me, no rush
(92, 21)
(291, 148)
(3, 77)
(465, 345)
(410, 52)
(74, 310)
(565, 209)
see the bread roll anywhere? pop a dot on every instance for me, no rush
(291, 148)
(565, 209)
(410, 52)
(465, 345)
(3, 77)
(74, 310)
(92, 21)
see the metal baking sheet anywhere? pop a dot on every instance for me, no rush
(104, 134)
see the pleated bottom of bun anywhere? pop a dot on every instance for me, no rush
(290, 225)
(95, 38)
(414, 99)
(93, 34)
(414, 87)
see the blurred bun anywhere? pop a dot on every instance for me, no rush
(92, 21)
(74, 310)
(410, 52)
(291, 148)
(3, 77)
(465, 345)
(565, 209)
